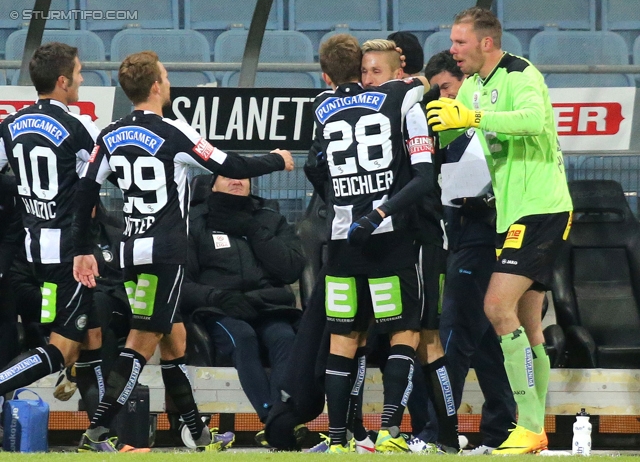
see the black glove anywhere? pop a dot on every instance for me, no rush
(432, 95)
(234, 304)
(361, 229)
(475, 207)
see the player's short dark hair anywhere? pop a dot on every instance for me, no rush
(341, 58)
(440, 62)
(485, 23)
(137, 74)
(49, 62)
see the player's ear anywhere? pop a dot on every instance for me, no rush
(487, 43)
(327, 79)
(155, 88)
(62, 81)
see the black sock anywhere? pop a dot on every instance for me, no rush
(89, 379)
(398, 383)
(441, 395)
(29, 367)
(121, 382)
(178, 386)
(337, 383)
(354, 422)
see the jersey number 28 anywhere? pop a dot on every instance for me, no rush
(363, 141)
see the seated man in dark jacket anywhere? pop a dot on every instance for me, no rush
(242, 256)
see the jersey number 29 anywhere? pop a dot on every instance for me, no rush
(132, 175)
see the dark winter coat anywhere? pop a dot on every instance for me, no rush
(239, 244)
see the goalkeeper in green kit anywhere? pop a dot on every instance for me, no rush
(506, 100)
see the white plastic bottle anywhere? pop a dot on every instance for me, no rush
(581, 435)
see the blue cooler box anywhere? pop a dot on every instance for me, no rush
(26, 424)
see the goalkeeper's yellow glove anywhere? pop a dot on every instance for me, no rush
(447, 114)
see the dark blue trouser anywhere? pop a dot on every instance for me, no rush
(243, 343)
(470, 341)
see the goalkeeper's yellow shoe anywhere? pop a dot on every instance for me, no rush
(387, 443)
(523, 441)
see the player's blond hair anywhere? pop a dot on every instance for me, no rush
(378, 45)
(383, 46)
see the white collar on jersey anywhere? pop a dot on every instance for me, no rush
(57, 103)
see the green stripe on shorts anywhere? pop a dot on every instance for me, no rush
(145, 295)
(341, 299)
(49, 292)
(386, 297)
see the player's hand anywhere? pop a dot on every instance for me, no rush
(433, 94)
(288, 159)
(447, 114)
(403, 58)
(85, 270)
(361, 229)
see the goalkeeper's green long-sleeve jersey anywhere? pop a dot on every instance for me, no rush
(524, 156)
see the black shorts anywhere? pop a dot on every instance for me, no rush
(393, 299)
(154, 296)
(531, 245)
(67, 305)
(433, 261)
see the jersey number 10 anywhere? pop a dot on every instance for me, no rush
(36, 185)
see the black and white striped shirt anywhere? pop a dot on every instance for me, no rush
(47, 146)
(150, 155)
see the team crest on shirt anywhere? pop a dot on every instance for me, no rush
(107, 255)
(494, 96)
(81, 322)
(475, 100)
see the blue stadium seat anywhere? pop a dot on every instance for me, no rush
(171, 46)
(159, 14)
(636, 51)
(277, 47)
(316, 18)
(90, 48)
(212, 18)
(8, 25)
(623, 17)
(526, 18)
(581, 47)
(361, 35)
(439, 41)
(424, 16)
